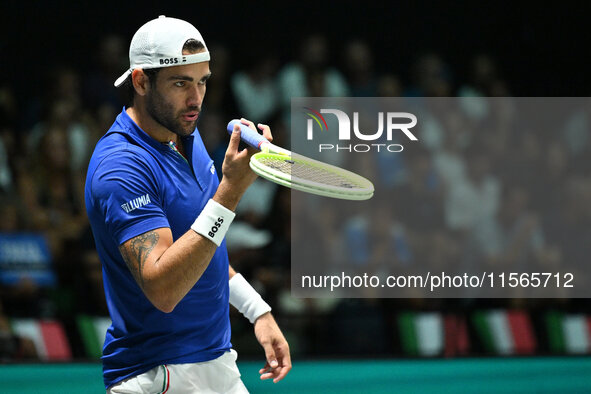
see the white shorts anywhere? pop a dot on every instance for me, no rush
(216, 376)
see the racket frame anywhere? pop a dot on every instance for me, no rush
(363, 192)
(257, 141)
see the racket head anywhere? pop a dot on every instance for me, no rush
(311, 176)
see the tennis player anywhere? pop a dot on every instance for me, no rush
(159, 215)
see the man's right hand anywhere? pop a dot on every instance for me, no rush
(236, 173)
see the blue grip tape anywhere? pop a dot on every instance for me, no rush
(247, 134)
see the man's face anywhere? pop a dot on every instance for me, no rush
(175, 100)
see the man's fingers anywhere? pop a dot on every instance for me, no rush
(234, 140)
(266, 131)
(264, 128)
(276, 374)
(249, 151)
(267, 375)
(264, 369)
(281, 372)
(268, 372)
(285, 362)
(248, 123)
(270, 356)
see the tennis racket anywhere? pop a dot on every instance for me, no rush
(302, 173)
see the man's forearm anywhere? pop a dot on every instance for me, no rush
(166, 271)
(168, 278)
(227, 195)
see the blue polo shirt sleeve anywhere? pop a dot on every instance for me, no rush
(125, 190)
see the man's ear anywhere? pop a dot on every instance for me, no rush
(140, 81)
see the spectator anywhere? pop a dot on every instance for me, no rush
(52, 191)
(359, 68)
(110, 58)
(474, 197)
(389, 86)
(483, 77)
(512, 238)
(311, 75)
(220, 98)
(8, 120)
(255, 89)
(431, 76)
(63, 115)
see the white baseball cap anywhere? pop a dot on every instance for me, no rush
(159, 43)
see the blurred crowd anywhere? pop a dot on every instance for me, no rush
(46, 142)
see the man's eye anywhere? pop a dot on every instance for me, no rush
(179, 84)
(203, 82)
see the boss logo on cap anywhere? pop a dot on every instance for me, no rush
(170, 60)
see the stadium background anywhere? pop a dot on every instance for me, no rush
(58, 62)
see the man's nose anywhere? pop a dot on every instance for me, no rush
(195, 98)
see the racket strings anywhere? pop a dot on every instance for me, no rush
(307, 172)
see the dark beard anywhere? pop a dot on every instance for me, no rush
(162, 112)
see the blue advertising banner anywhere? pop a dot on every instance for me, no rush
(25, 255)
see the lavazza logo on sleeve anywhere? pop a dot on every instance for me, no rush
(389, 123)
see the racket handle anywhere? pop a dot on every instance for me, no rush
(247, 134)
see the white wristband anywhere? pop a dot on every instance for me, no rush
(213, 222)
(246, 299)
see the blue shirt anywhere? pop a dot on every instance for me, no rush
(136, 184)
